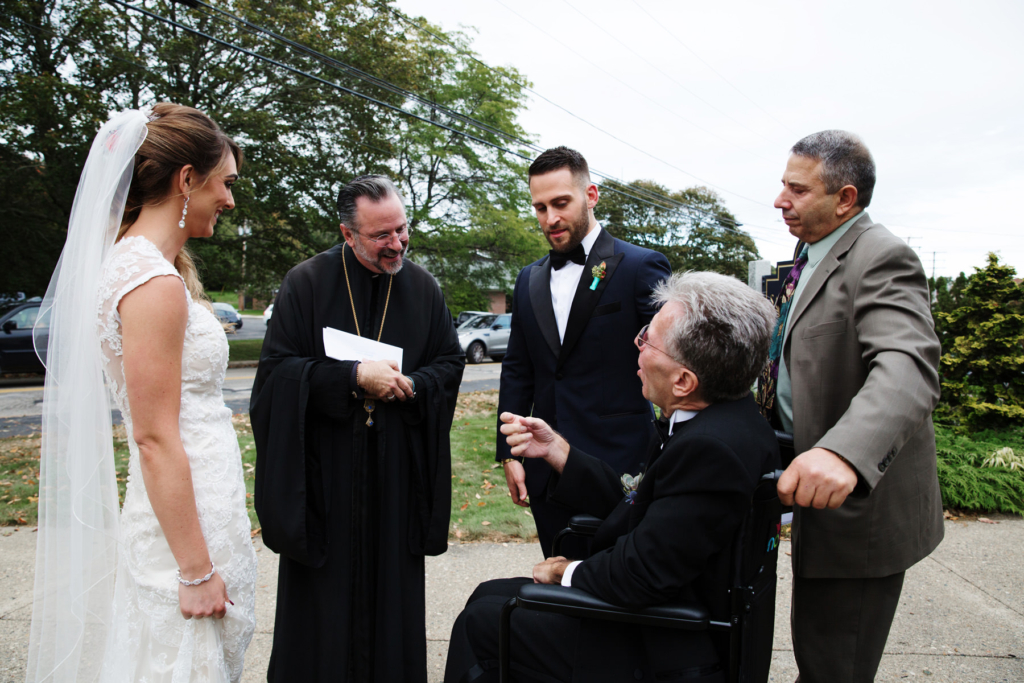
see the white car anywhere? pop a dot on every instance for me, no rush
(485, 335)
(269, 311)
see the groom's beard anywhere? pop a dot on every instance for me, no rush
(376, 260)
(577, 230)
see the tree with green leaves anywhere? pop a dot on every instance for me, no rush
(691, 227)
(947, 294)
(982, 368)
(69, 63)
(469, 204)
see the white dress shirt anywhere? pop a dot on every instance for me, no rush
(677, 417)
(564, 282)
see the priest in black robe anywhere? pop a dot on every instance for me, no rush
(353, 469)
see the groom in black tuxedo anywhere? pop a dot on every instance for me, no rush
(570, 359)
(667, 538)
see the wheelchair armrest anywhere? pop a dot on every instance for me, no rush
(585, 525)
(576, 603)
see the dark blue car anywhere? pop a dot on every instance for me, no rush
(17, 353)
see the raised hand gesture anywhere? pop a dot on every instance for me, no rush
(531, 437)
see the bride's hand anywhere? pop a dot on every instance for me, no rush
(205, 600)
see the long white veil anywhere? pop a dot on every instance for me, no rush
(76, 551)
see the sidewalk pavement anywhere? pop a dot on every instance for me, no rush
(960, 619)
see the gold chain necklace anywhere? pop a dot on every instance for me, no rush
(368, 404)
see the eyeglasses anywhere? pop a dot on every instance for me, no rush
(386, 238)
(641, 341)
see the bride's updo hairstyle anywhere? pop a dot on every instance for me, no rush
(177, 136)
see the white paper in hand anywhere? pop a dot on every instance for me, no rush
(344, 346)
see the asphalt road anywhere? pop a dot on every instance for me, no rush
(253, 327)
(21, 399)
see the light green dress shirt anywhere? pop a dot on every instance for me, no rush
(815, 252)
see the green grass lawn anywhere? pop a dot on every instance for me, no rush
(223, 297)
(482, 508)
(244, 349)
(231, 298)
(481, 505)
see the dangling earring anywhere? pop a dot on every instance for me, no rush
(184, 212)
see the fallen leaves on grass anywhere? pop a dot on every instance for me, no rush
(476, 403)
(481, 503)
(485, 523)
(464, 506)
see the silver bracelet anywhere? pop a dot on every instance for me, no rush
(206, 578)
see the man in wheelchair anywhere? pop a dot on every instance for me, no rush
(667, 533)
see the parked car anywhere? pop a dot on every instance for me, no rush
(472, 322)
(466, 315)
(228, 315)
(267, 313)
(485, 335)
(17, 352)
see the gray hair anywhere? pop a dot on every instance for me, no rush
(374, 187)
(724, 332)
(845, 160)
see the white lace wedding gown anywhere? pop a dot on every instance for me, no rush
(149, 640)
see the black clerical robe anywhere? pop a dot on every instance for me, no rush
(352, 509)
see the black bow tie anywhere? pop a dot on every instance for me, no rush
(559, 259)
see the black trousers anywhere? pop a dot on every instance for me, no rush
(543, 645)
(551, 518)
(840, 626)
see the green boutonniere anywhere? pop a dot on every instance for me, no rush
(598, 272)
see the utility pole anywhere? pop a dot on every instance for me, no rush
(934, 253)
(913, 238)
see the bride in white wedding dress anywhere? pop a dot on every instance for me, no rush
(179, 608)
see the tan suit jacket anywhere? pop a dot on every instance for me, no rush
(862, 356)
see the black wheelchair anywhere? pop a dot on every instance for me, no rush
(751, 620)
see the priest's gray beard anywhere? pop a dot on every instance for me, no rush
(375, 260)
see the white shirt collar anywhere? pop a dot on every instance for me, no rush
(588, 241)
(680, 416)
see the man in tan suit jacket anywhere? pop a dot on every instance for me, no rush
(857, 383)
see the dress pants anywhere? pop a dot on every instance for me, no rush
(543, 645)
(840, 626)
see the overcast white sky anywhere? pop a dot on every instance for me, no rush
(719, 91)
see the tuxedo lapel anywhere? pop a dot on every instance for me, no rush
(586, 299)
(540, 299)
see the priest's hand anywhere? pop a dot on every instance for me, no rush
(383, 380)
(817, 478)
(550, 570)
(532, 437)
(515, 477)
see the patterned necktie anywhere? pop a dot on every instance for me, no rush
(766, 384)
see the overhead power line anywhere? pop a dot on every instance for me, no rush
(386, 105)
(524, 86)
(665, 28)
(646, 97)
(661, 71)
(441, 39)
(358, 73)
